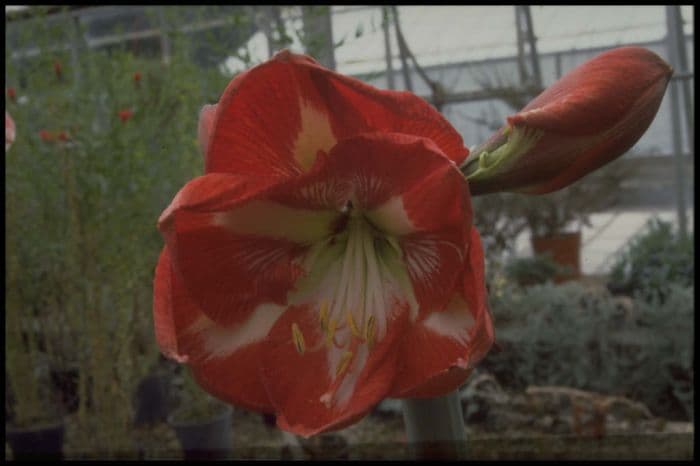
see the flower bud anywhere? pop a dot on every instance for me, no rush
(588, 118)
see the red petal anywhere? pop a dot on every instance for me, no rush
(228, 275)
(364, 168)
(165, 299)
(236, 378)
(599, 94)
(438, 352)
(233, 377)
(296, 382)
(253, 137)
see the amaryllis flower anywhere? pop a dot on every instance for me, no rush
(9, 131)
(586, 119)
(11, 93)
(137, 78)
(327, 258)
(125, 114)
(58, 68)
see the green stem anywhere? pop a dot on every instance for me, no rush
(435, 426)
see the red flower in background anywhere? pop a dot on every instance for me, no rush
(125, 114)
(58, 68)
(137, 78)
(586, 119)
(47, 136)
(327, 258)
(63, 136)
(11, 93)
(9, 131)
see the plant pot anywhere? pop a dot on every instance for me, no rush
(564, 249)
(43, 442)
(209, 439)
(152, 400)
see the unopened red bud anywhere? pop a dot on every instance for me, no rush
(588, 118)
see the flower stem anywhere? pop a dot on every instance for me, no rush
(435, 426)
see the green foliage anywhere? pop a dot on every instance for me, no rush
(526, 271)
(81, 235)
(653, 261)
(572, 336)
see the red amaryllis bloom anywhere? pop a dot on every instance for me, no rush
(11, 93)
(58, 68)
(137, 78)
(47, 136)
(586, 119)
(125, 114)
(9, 131)
(327, 258)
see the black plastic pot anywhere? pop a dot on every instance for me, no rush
(36, 443)
(210, 439)
(152, 400)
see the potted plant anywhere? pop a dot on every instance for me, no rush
(555, 219)
(527, 271)
(202, 423)
(34, 426)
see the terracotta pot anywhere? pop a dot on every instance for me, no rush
(564, 249)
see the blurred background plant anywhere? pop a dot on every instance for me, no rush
(653, 261)
(574, 336)
(104, 140)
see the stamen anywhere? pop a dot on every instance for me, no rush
(370, 328)
(330, 331)
(298, 338)
(353, 327)
(324, 314)
(344, 363)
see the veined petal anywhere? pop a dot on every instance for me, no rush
(277, 118)
(224, 360)
(591, 116)
(229, 257)
(439, 350)
(434, 262)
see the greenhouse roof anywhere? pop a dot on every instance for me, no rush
(449, 34)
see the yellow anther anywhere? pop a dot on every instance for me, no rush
(298, 338)
(370, 328)
(323, 310)
(344, 363)
(330, 331)
(353, 326)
